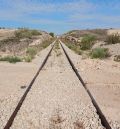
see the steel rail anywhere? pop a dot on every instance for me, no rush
(103, 119)
(14, 114)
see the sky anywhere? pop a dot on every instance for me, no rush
(60, 16)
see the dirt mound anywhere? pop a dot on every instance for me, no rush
(100, 34)
(14, 42)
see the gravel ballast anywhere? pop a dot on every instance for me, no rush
(57, 100)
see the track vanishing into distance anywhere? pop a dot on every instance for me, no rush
(68, 105)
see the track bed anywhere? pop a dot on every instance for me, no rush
(57, 100)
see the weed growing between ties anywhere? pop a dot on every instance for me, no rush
(57, 49)
(57, 45)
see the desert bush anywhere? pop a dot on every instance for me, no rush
(99, 53)
(113, 39)
(35, 32)
(11, 59)
(87, 42)
(117, 58)
(26, 33)
(31, 52)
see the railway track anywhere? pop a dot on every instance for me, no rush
(12, 117)
(104, 121)
(99, 112)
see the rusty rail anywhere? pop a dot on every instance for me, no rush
(14, 114)
(104, 121)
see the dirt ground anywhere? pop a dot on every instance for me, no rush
(102, 77)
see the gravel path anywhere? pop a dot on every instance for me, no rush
(57, 100)
(13, 78)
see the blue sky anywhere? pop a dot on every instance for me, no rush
(60, 16)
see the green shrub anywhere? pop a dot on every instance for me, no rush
(117, 58)
(31, 52)
(99, 53)
(11, 59)
(52, 34)
(87, 42)
(113, 39)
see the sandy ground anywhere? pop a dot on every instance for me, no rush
(113, 31)
(12, 77)
(103, 79)
(61, 103)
